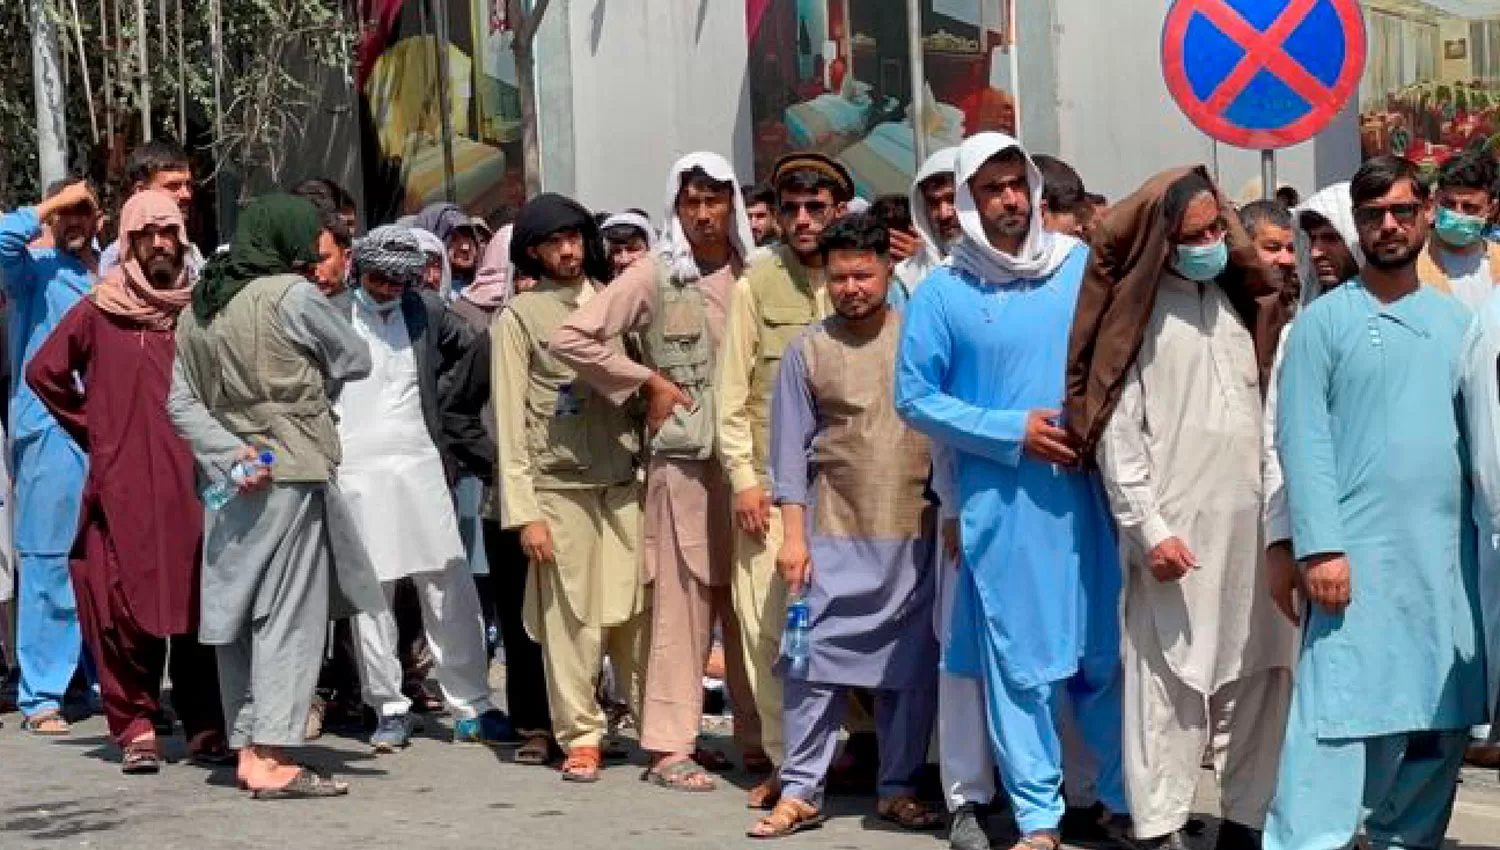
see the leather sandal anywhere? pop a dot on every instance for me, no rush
(582, 765)
(306, 785)
(790, 816)
(1042, 840)
(141, 758)
(908, 813)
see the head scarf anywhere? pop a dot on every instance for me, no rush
(395, 252)
(632, 220)
(434, 246)
(675, 250)
(440, 220)
(1336, 206)
(549, 213)
(1040, 254)
(126, 291)
(277, 234)
(934, 249)
(494, 284)
(1131, 247)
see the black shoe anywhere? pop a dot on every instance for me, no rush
(1084, 824)
(1236, 836)
(967, 831)
(1120, 830)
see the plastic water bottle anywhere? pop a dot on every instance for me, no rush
(221, 493)
(796, 638)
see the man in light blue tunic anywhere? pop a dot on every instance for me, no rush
(981, 372)
(1370, 433)
(42, 285)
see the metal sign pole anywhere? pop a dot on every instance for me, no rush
(1268, 174)
(918, 78)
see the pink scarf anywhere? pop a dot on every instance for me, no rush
(494, 284)
(125, 290)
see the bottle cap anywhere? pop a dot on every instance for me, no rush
(267, 457)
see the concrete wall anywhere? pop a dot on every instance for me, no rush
(650, 81)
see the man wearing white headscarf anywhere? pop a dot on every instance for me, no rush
(1327, 255)
(935, 216)
(627, 238)
(1207, 658)
(981, 373)
(675, 301)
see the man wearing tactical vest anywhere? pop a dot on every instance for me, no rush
(674, 300)
(567, 459)
(1458, 259)
(257, 357)
(780, 293)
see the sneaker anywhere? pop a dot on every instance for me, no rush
(490, 728)
(393, 733)
(967, 832)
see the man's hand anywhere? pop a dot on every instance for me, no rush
(663, 397)
(950, 540)
(1171, 560)
(536, 542)
(904, 245)
(1045, 441)
(794, 563)
(72, 195)
(262, 476)
(1328, 582)
(1281, 575)
(752, 510)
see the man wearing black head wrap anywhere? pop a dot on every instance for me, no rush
(567, 459)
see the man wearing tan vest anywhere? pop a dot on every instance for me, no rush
(780, 294)
(567, 459)
(1458, 259)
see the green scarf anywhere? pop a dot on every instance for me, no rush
(277, 234)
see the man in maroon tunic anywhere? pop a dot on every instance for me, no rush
(135, 560)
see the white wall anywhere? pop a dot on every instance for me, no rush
(653, 80)
(1117, 123)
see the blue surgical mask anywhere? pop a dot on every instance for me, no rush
(1459, 229)
(374, 306)
(1201, 263)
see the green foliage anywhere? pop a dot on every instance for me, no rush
(276, 55)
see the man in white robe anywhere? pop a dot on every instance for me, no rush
(1207, 658)
(393, 479)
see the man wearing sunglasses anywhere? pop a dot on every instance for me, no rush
(1458, 259)
(1390, 676)
(780, 293)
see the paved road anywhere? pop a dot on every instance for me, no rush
(70, 793)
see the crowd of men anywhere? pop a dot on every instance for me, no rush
(1118, 491)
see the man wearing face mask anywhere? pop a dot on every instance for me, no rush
(41, 285)
(392, 475)
(1205, 649)
(1458, 260)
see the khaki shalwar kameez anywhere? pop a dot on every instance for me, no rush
(567, 458)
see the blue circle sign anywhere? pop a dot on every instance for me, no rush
(1263, 74)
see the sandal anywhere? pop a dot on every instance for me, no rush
(535, 751)
(49, 723)
(907, 813)
(686, 775)
(1042, 840)
(141, 758)
(765, 795)
(712, 760)
(757, 763)
(306, 785)
(788, 818)
(581, 765)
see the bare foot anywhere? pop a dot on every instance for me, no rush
(263, 768)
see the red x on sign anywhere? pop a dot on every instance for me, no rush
(1266, 86)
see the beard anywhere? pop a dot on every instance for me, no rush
(1394, 261)
(162, 270)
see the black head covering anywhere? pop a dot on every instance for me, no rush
(545, 215)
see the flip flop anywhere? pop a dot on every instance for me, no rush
(48, 724)
(685, 775)
(306, 785)
(582, 765)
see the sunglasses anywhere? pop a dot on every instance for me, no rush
(790, 208)
(1372, 216)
